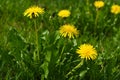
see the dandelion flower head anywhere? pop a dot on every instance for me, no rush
(69, 31)
(33, 11)
(87, 51)
(64, 13)
(115, 9)
(98, 4)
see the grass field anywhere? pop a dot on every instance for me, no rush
(35, 49)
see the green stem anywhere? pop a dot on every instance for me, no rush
(76, 67)
(87, 7)
(96, 20)
(61, 53)
(115, 20)
(36, 41)
(87, 2)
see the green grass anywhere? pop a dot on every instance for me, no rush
(57, 54)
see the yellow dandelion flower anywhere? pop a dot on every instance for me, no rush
(87, 51)
(68, 30)
(98, 4)
(33, 11)
(115, 9)
(64, 13)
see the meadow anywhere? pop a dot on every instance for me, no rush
(82, 43)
